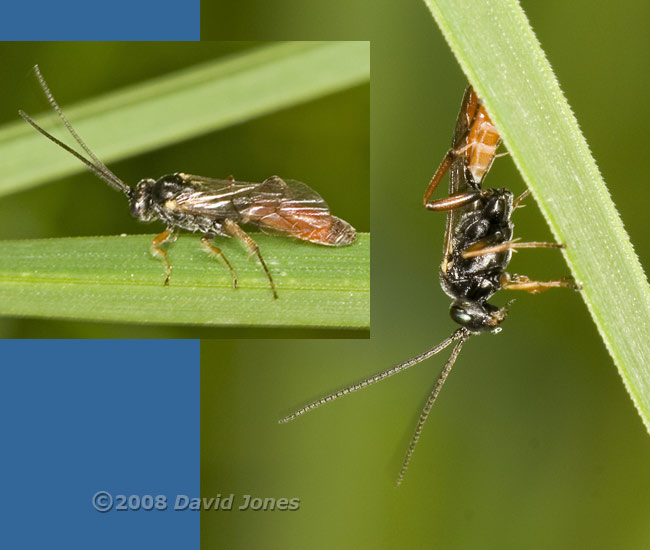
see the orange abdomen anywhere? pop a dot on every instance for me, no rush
(482, 142)
(308, 224)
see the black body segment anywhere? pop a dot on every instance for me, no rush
(484, 222)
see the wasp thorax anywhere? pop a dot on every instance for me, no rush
(141, 200)
(476, 316)
(167, 187)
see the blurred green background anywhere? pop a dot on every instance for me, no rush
(534, 442)
(323, 143)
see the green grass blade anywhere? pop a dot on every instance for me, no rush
(199, 100)
(502, 58)
(116, 279)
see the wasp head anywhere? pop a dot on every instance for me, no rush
(140, 200)
(477, 316)
(150, 196)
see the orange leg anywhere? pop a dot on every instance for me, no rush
(233, 229)
(437, 177)
(169, 235)
(480, 248)
(521, 282)
(520, 198)
(214, 251)
(453, 201)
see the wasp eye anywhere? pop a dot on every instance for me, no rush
(459, 315)
(140, 200)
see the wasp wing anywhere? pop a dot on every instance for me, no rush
(278, 206)
(291, 208)
(465, 117)
(475, 136)
(213, 198)
(458, 184)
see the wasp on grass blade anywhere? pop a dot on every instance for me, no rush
(478, 246)
(216, 207)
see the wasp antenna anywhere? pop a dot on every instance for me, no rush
(115, 183)
(96, 165)
(429, 404)
(461, 333)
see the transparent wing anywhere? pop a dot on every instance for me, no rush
(277, 206)
(465, 116)
(214, 198)
(291, 208)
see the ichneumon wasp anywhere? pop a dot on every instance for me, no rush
(215, 207)
(478, 245)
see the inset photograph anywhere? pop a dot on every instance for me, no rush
(178, 190)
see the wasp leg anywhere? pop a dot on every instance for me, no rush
(214, 251)
(452, 201)
(521, 282)
(169, 235)
(520, 198)
(480, 248)
(440, 173)
(233, 229)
